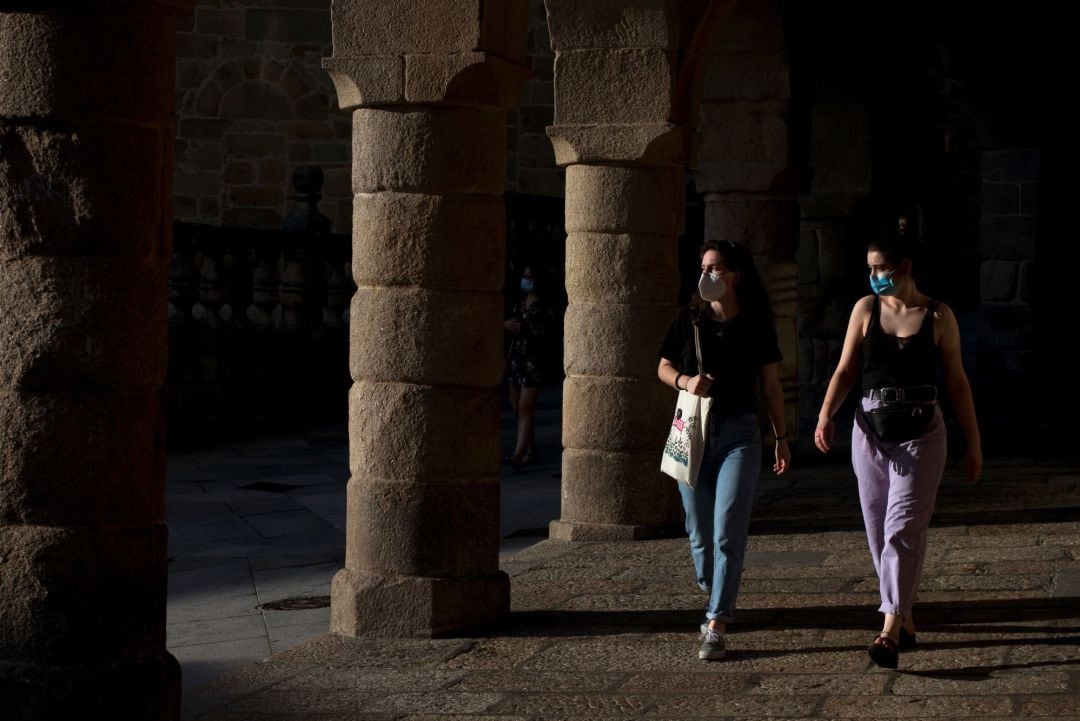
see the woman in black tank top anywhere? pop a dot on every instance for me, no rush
(894, 340)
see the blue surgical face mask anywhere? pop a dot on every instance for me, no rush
(527, 285)
(883, 284)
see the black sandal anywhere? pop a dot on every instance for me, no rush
(884, 651)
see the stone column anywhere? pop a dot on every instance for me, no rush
(620, 109)
(429, 167)
(86, 137)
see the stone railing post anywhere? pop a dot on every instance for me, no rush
(86, 138)
(430, 88)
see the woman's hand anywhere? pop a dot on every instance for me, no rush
(823, 435)
(699, 385)
(783, 457)
(513, 325)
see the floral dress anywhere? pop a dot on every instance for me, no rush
(525, 356)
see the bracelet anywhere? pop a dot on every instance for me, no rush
(782, 438)
(677, 377)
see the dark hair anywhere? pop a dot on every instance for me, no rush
(894, 243)
(750, 290)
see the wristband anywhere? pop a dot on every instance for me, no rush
(677, 377)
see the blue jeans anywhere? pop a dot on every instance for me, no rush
(718, 508)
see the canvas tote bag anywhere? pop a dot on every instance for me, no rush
(686, 435)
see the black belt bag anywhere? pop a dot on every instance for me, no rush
(905, 412)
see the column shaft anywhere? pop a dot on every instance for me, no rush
(86, 135)
(423, 522)
(622, 279)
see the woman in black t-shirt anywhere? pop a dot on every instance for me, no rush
(738, 349)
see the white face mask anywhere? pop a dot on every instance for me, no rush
(711, 287)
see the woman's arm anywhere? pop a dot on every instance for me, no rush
(843, 378)
(670, 374)
(959, 389)
(774, 403)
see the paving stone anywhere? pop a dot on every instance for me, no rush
(497, 653)
(913, 707)
(537, 682)
(712, 706)
(440, 703)
(990, 683)
(1058, 706)
(805, 684)
(371, 681)
(591, 705)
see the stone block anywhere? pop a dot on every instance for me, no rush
(272, 171)
(259, 196)
(1027, 281)
(423, 529)
(240, 172)
(453, 432)
(744, 132)
(372, 27)
(634, 85)
(750, 176)
(95, 190)
(55, 65)
(1029, 198)
(449, 242)
(612, 199)
(228, 21)
(419, 335)
(1004, 326)
(75, 596)
(465, 79)
(998, 280)
(742, 32)
(310, 130)
(256, 99)
(631, 144)
(313, 107)
(431, 150)
(610, 24)
(68, 323)
(1017, 166)
(767, 226)
(1000, 198)
(255, 145)
(81, 458)
(203, 129)
(621, 268)
(619, 489)
(369, 80)
(409, 607)
(616, 414)
(746, 76)
(1008, 237)
(614, 339)
(288, 25)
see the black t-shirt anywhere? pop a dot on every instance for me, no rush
(732, 351)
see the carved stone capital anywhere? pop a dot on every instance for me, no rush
(472, 78)
(647, 144)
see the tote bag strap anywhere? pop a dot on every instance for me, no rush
(697, 349)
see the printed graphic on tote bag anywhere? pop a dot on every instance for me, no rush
(678, 444)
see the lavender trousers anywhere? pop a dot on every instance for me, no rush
(898, 485)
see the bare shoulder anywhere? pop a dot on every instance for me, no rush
(944, 313)
(863, 306)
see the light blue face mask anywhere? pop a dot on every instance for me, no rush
(527, 285)
(882, 284)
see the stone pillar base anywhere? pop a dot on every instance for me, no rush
(147, 691)
(416, 607)
(577, 531)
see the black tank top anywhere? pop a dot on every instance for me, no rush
(887, 363)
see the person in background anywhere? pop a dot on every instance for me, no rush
(529, 331)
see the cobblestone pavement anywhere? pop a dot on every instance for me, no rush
(608, 630)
